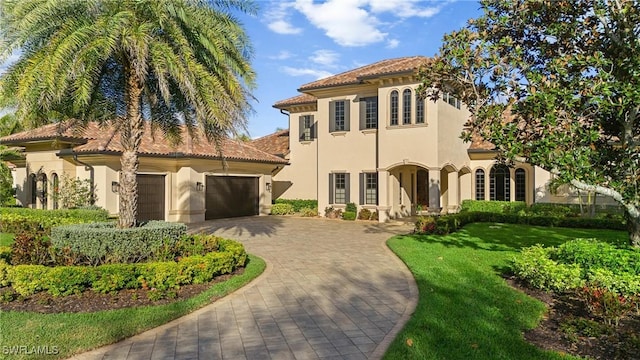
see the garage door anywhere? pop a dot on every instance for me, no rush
(231, 196)
(150, 197)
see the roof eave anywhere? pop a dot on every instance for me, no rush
(177, 155)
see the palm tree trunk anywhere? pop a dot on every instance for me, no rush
(130, 137)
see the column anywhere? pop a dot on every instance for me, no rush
(383, 195)
(453, 203)
(434, 190)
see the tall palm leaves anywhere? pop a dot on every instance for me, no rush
(170, 62)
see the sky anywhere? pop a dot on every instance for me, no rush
(300, 41)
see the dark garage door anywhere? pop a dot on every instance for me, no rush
(231, 196)
(150, 197)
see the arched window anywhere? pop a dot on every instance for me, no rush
(55, 183)
(500, 186)
(406, 107)
(394, 107)
(419, 110)
(43, 190)
(521, 185)
(479, 184)
(34, 189)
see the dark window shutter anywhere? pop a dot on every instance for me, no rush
(347, 121)
(332, 116)
(362, 184)
(347, 186)
(301, 127)
(363, 113)
(330, 188)
(314, 134)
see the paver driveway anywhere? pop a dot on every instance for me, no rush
(332, 290)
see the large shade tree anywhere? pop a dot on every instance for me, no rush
(555, 84)
(168, 62)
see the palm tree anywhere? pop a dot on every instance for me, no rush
(169, 62)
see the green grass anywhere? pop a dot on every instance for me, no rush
(465, 309)
(6, 239)
(76, 333)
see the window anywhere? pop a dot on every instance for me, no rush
(499, 183)
(339, 115)
(42, 178)
(406, 107)
(369, 189)
(369, 113)
(521, 182)
(339, 188)
(419, 110)
(394, 107)
(55, 183)
(479, 184)
(307, 128)
(451, 100)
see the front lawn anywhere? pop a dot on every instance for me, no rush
(71, 333)
(6, 239)
(466, 310)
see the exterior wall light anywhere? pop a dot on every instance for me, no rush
(199, 186)
(268, 186)
(115, 186)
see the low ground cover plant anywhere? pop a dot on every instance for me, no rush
(604, 276)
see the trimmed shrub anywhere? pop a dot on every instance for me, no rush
(15, 220)
(593, 254)
(364, 214)
(534, 266)
(161, 277)
(548, 209)
(309, 212)
(499, 207)
(425, 225)
(351, 207)
(103, 243)
(281, 209)
(349, 215)
(298, 204)
(31, 247)
(331, 213)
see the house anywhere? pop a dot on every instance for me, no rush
(187, 182)
(365, 136)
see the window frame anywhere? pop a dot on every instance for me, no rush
(339, 113)
(420, 110)
(480, 183)
(406, 107)
(335, 179)
(394, 108)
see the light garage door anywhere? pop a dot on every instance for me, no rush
(150, 197)
(231, 196)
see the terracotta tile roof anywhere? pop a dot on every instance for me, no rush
(296, 100)
(104, 139)
(275, 144)
(380, 68)
(478, 143)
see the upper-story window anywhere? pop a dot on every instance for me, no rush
(339, 115)
(369, 113)
(307, 128)
(406, 107)
(419, 110)
(451, 100)
(394, 107)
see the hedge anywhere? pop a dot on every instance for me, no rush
(161, 276)
(282, 209)
(15, 220)
(298, 204)
(102, 243)
(449, 223)
(492, 206)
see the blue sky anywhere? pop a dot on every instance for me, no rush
(299, 41)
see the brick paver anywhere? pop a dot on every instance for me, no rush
(331, 290)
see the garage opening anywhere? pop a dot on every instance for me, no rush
(231, 196)
(151, 190)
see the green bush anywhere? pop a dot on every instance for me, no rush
(351, 207)
(535, 267)
(15, 220)
(298, 204)
(364, 214)
(281, 209)
(592, 254)
(103, 243)
(349, 215)
(309, 212)
(549, 209)
(31, 247)
(499, 207)
(161, 277)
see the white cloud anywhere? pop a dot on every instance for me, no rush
(278, 19)
(405, 8)
(344, 21)
(318, 74)
(282, 55)
(392, 43)
(325, 57)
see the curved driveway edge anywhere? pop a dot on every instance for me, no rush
(331, 290)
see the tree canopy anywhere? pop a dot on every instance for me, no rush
(555, 84)
(169, 62)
